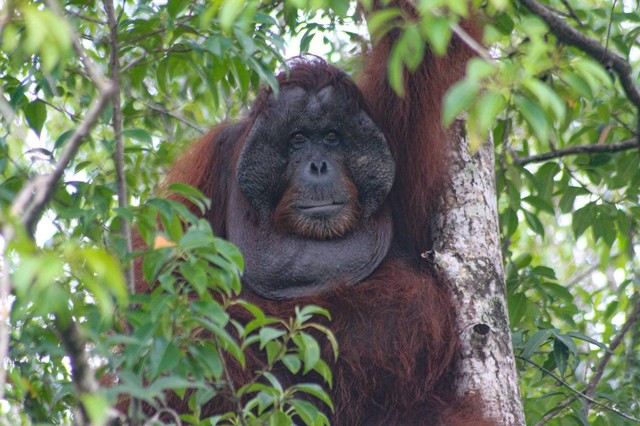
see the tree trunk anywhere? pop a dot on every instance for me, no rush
(467, 251)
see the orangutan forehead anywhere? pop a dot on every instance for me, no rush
(297, 101)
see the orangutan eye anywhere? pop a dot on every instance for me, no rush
(297, 140)
(332, 138)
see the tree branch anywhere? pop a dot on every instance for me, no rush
(578, 149)
(577, 392)
(28, 206)
(632, 319)
(118, 156)
(74, 344)
(610, 60)
(593, 48)
(556, 411)
(30, 201)
(5, 108)
(5, 312)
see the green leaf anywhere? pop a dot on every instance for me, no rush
(305, 313)
(280, 418)
(211, 309)
(308, 412)
(174, 7)
(228, 13)
(560, 356)
(230, 252)
(62, 140)
(323, 369)
(273, 381)
(36, 114)
(488, 108)
(535, 117)
(568, 342)
(458, 99)
(382, 21)
(97, 407)
(329, 335)
(537, 340)
(534, 223)
(292, 362)
(437, 30)
(268, 334)
(137, 134)
(596, 76)
(314, 390)
(396, 70)
(273, 351)
(517, 307)
(586, 338)
(195, 275)
(164, 356)
(568, 197)
(309, 348)
(547, 97)
(583, 218)
(306, 39)
(227, 342)
(412, 46)
(578, 84)
(195, 238)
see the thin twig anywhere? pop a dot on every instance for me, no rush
(137, 61)
(178, 117)
(632, 320)
(155, 32)
(613, 6)
(83, 17)
(557, 11)
(572, 12)
(118, 156)
(227, 377)
(471, 43)
(94, 72)
(578, 149)
(555, 411)
(576, 391)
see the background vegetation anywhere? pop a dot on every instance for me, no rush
(98, 99)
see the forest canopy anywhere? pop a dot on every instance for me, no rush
(98, 99)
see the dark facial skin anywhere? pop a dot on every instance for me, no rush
(321, 201)
(312, 182)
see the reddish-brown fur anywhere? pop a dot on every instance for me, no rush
(398, 343)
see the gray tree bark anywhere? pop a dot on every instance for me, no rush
(467, 251)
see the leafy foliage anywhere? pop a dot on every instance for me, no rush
(568, 211)
(182, 65)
